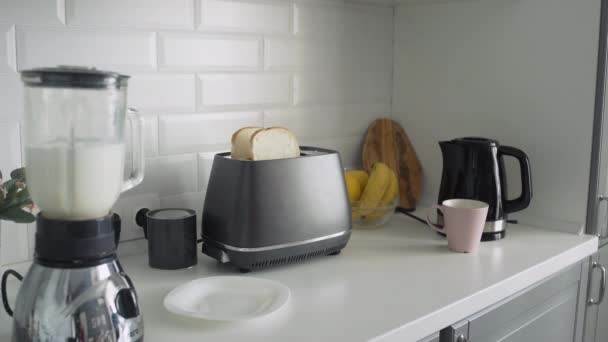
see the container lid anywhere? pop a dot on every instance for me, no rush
(171, 213)
(73, 77)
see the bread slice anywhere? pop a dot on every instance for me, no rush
(274, 143)
(241, 143)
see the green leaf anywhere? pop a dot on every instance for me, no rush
(23, 195)
(17, 215)
(18, 174)
(10, 186)
(14, 203)
(15, 199)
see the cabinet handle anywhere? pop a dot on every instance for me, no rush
(461, 338)
(602, 283)
(600, 234)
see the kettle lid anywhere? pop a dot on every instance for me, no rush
(476, 140)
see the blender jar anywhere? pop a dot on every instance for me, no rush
(74, 137)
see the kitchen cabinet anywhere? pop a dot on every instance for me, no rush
(546, 311)
(596, 318)
(596, 313)
(597, 201)
(601, 330)
(432, 338)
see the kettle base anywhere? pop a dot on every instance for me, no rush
(493, 236)
(489, 236)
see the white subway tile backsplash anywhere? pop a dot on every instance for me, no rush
(7, 48)
(14, 242)
(251, 16)
(162, 92)
(10, 143)
(281, 53)
(153, 13)
(196, 51)
(168, 175)
(190, 200)
(338, 88)
(345, 55)
(112, 49)
(337, 21)
(202, 132)
(34, 12)
(326, 122)
(320, 20)
(200, 70)
(205, 161)
(244, 89)
(11, 92)
(349, 148)
(127, 207)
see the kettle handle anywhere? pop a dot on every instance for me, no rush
(524, 198)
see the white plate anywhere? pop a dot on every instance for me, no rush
(231, 298)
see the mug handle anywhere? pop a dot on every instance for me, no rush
(137, 145)
(435, 226)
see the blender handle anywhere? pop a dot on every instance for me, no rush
(7, 273)
(137, 142)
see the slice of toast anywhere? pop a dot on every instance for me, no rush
(274, 143)
(241, 143)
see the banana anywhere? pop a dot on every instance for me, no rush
(389, 196)
(360, 175)
(353, 187)
(392, 191)
(378, 183)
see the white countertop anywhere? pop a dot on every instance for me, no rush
(396, 283)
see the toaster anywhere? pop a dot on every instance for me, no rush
(269, 212)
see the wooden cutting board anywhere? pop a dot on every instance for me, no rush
(387, 142)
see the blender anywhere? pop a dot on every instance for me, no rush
(74, 136)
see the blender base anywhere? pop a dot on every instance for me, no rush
(77, 259)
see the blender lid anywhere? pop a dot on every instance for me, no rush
(73, 77)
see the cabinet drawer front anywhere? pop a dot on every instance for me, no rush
(556, 296)
(552, 321)
(431, 338)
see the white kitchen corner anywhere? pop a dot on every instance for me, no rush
(390, 107)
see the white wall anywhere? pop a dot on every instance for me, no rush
(520, 71)
(201, 69)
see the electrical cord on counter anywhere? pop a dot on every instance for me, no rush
(408, 212)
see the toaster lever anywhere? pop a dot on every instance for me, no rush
(216, 253)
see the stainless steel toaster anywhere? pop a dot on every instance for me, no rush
(269, 212)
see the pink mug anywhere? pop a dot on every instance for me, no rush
(464, 220)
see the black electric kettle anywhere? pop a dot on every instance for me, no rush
(473, 168)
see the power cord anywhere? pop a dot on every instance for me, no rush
(408, 212)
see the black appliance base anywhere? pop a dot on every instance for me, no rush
(493, 236)
(246, 261)
(488, 236)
